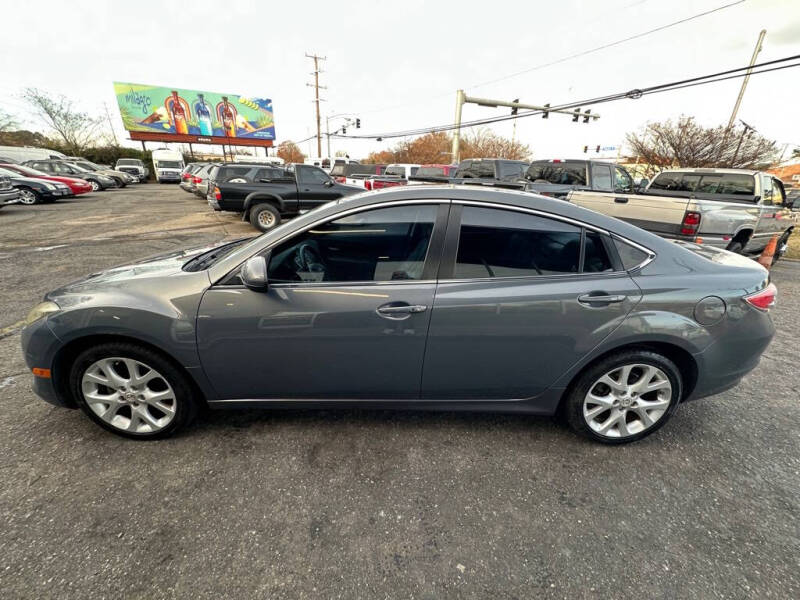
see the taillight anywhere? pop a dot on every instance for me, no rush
(340, 179)
(367, 184)
(217, 194)
(765, 299)
(691, 223)
(196, 180)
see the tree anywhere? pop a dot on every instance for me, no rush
(435, 148)
(7, 122)
(77, 130)
(685, 143)
(290, 152)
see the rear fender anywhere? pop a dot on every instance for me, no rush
(262, 198)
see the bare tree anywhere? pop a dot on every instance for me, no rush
(7, 122)
(685, 143)
(434, 148)
(76, 129)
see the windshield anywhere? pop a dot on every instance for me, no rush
(78, 168)
(564, 173)
(169, 164)
(88, 166)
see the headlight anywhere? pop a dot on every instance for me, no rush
(41, 310)
(50, 186)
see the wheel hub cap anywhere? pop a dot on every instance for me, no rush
(627, 400)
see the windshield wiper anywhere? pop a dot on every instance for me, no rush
(208, 258)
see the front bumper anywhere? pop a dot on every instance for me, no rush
(40, 346)
(55, 194)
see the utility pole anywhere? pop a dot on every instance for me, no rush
(114, 133)
(747, 77)
(316, 87)
(462, 98)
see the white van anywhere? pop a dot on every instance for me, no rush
(167, 165)
(21, 154)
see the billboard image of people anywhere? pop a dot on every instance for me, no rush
(160, 110)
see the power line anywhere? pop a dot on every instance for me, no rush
(631, 94)
(567, 58)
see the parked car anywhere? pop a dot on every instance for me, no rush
(78, 186)
(736, 209)
(133, 166)
(558, 177)
(120, 177)
(267, 195)
(8, 193)
(187, 181)
(21, 154)
(430, 297)
(98, 181)
(350, 172)
(32, 190)
(402, 170)
(167, 165)
(200, 180)
(433, 173)
(491, 169)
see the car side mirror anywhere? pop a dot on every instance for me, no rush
(328, 183)
(254, 274)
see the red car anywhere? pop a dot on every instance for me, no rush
(78, 186)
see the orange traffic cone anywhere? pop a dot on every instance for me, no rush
(768, 254)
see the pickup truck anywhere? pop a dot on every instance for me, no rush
(739, 210)
(557, 177)
(267, 195)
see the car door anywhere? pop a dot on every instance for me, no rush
(521, 298)
(314, 187)
(345, 316)
(772, 213)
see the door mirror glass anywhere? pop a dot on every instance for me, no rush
(328, 183)
(254, 274)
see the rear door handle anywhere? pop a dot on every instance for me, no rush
(621, 200)
(600, 299)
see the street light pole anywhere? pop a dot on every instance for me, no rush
(747, 77)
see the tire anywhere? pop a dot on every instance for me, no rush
(736, 246)
(264, 217)
(95, 185)
(127, 413)
(622, 413)
(120, 183)
(29, 196)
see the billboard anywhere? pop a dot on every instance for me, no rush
(178, 115)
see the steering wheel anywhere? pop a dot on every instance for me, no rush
(308, 259)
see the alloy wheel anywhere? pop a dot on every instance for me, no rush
(129, 395)
(27, 197)
(266, 219)
(95, 185)
(627, 400)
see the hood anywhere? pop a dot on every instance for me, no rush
(31, 181)
(67, 180)
(155, 267)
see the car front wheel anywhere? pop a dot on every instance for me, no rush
(624, 397)
(95, 185)
(29, 196)
(132, 391)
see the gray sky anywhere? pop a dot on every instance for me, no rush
(398, 64)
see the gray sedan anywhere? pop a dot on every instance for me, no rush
(441, 298)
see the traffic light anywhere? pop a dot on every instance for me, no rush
(358, 123)
(344, 130)
(546, 113)
(585, 149)
(597, 149)
(576, 115)
(515, 109)
(586, 115)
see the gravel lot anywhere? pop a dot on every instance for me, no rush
(367, 504)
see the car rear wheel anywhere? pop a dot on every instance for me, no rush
(264, 217)
(132, 391)
(624, 397)
(29, 196)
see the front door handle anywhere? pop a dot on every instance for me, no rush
(600, 299)
(621, 200)
(400, 311)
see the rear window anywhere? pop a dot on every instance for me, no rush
(430, 172)
(129, 161)
(732, 184)
(564, 173)
(396, 171)
(476, 169)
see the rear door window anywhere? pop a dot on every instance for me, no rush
(502, 243)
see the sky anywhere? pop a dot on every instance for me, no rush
(397, 65)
